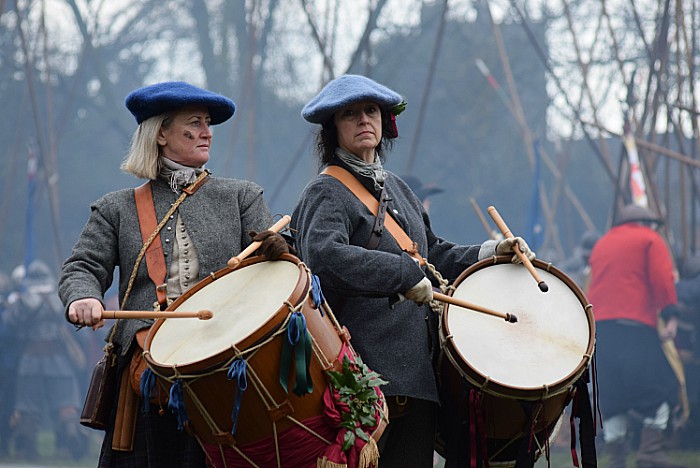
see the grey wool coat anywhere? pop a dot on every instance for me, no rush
(333, 229)
(217, 217)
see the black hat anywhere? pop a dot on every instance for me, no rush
(421, 191)
(160, 98)
(636, 214)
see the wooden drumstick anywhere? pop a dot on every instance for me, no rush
(277, 227)
(516, 248)
(154, 314)
(510, 318)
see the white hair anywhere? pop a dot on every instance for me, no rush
(143, 160)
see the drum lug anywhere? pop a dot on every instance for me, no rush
(224, 438)
(284, 409)
(345, 335)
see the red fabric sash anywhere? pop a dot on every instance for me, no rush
(298, 447)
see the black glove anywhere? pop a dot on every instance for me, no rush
(273, 244)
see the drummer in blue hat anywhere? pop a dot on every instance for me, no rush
(377, 290)
(198, 222)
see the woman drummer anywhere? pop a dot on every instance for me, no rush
(169, 148)
(364, 283)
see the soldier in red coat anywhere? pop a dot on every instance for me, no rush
(632, 282)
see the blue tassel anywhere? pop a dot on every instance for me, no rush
(298, 344)
(147, 386)
(237, 371)
(177, 404)
(297, 324)
(317, 293)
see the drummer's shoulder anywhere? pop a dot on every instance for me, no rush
(117, 198)
(229, 184)
(323, 184)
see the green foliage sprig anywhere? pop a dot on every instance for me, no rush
(356, 384)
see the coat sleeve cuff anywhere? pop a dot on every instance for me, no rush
(488, 249)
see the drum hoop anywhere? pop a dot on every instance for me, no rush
(267, 329)
(450, 350)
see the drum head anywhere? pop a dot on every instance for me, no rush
(546, 346)
(242, 301)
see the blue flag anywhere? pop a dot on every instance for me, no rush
(535, 229)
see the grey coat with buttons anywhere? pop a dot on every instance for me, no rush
(334, 228)
(217, 217)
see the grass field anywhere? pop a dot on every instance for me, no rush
(49, 456)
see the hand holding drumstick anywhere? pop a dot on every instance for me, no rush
(90, 312)
(277, 227)
(514, 243)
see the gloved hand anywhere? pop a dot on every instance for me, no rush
(421, 293)
(506, 246)
(273, 244)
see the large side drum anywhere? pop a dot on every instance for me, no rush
(253, 306)
(513, 380)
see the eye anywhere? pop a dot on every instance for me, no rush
(371, 110)
(347, 113)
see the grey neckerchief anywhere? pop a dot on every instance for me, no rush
(374, 171)
(177, 175)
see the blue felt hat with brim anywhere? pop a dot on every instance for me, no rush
(169, 96)
(345, 90)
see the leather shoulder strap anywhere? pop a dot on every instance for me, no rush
(155, 259)
(359, 190)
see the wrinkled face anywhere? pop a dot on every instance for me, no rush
(186, 138)
(359, 128)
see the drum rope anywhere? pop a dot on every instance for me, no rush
(277, 446)
(308, 429)
(264, 394)
(267, 398)
(237, 354)
(533, 435)
(210, 459)
(444, 285)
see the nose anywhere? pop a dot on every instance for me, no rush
(207, 132)
(363, 117)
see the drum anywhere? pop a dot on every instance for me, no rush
(514, 380)
(257, 307)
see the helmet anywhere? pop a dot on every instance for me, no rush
(691, 267)
(636, 214)
(588, 240)
(17, 276)
(36, 277)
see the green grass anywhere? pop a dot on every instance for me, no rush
(560, 456)
(49, 455)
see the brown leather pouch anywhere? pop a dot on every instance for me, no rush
(127, 412)
(137, 367)
(101, 393)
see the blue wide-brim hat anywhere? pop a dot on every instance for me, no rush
(345, 90)
(168, 96)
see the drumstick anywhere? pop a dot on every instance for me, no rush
(277, 227)
(468, 305)
(516, 248)
(154, 314)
